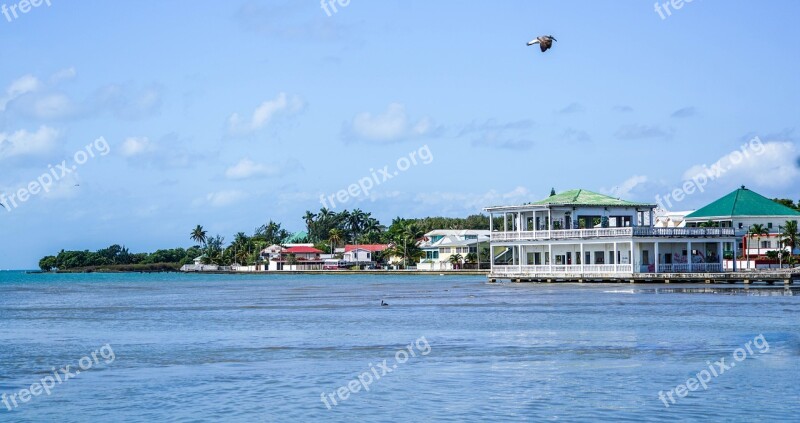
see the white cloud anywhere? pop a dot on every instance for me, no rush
(514, 135)
(624, 189)
(391, 126)
(63, 74)
(126, 101)
(642, 132)
(225, 198)
(764, 164)
(23, 85)
(452, 201)
(135, 146)
(265, 113)
(24, 143)
(53, 106)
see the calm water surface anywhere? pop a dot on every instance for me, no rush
(264, 348)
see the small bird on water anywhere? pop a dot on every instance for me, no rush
(384, 304)
(545, 42)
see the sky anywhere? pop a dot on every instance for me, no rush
(130, 122)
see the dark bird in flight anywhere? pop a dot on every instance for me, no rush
(545, 42)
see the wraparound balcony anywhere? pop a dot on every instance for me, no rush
(564, 269)
(605, 269)
(611, 233)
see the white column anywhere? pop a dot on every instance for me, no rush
(519, 222)
(689, 255)
(719, 255)
(583, 262)
(491, 216)
(632, 256)
(549, 226)
(505, 221)
(550, 253)
(519, 253)
(614, 256)
(656, 262)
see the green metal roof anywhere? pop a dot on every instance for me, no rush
(743, 202)
(296, 237)
(582, 197)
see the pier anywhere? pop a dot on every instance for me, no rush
(768, 277)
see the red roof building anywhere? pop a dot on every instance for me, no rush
(366, 247)
(301, 250)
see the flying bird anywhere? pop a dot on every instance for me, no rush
(545, 42)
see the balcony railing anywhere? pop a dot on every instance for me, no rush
(571, 269)
(611, 233)
(690, 268)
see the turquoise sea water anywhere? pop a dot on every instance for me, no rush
(265, 348)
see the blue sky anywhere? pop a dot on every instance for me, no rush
(228, 114)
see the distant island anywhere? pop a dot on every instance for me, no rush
(326, 229)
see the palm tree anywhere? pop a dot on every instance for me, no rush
(409, 234)
(335, 237)
(757, 230)
(456, 260)
(325, 214)
(790, 235)
(309, 218)
(199, 235)
(471, 258)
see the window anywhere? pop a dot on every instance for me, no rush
(537, 258)
(610, 257)
(769, 225)
(598, 257)
(766, 244)
(588, 257)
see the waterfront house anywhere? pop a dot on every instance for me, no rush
(295, 257)
(442, 244)
(741, 210)
(363, 253)
(582, 234)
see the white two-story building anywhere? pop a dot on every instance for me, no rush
(744, 210)
(440, 245)
(582, 234)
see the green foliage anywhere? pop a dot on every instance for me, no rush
(350, 226)
(48, 263)
(790, 234)
(116, 256)
(198, 235)
(271, 234)
(788, 203)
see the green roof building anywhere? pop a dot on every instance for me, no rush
(744, 207)
(583, 197)
(297, 238)
(741, 210)
(581, 234)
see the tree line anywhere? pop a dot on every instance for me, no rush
(325, 229)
